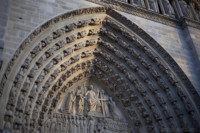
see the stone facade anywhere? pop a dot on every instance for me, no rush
(25, 17)
(124, 55)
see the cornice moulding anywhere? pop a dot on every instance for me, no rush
(153, 16)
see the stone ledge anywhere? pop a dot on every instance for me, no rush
(144, 13)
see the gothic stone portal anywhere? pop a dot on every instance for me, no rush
(87, 110)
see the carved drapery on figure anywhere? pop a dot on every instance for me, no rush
(89, 101)
(62, 123)
(69, 107)
(86, 110)
(168, 8)
(185, 9)
(115, 53)
(139, 3)
(153, 5)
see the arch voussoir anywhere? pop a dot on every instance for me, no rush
(114, 55)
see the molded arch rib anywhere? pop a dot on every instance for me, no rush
(100, 46)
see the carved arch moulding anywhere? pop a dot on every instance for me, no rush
(93, 70)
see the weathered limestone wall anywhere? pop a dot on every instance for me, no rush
(195, 35)
(4, 11)
(26, 15)
(173, 40)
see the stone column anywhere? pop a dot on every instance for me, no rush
(130, 2)
(175, 8)
(147, 4)
(161, 7)
(179, 8)
(193, 11)
(157, 8)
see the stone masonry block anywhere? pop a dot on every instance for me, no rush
(1, 44)
(2, 31)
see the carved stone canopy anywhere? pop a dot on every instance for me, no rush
(95, 46)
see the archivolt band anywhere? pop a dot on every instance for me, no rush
(93, 70)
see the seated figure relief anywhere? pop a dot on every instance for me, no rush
(89, 101)
(86, 110)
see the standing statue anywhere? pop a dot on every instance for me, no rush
(69, 106)
(168, 8)
(81, 105)
(91, 126)
(92, 99)
(104, 105)
(100, 126)
(140, 3)
(113, 110)
(185, 9)
(153, 5)
(80, 99)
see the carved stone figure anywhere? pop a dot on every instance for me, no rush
(168, 8)
(28, 107)
(91, 126)
(71, 38)
(80, 99)
(160, 98)
(93, 31)
(167, 112)
(95, 21)
(100, 126)
(82, 23)
(92, 99)
(70, 27)
(34, 91)
(185, 9)
(171, 97)
(81, 105)
(90, 42)
(86, 53)
(156, 113)
(104, 104)
(153, 5)
(69, 107)
(13, 96)
(112, 107)
(20, 102)
(139, 3)
(58, 33)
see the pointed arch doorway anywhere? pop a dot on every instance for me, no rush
(93, 70)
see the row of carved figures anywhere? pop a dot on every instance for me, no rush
(91, 102)
(173, 8)
(79, 124)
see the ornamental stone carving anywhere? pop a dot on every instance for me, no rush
(99, 73)
(87, 110)
(185, 9)
(168, 8)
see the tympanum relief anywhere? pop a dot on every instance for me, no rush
(87, 109)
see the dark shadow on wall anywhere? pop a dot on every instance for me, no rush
(191, 54)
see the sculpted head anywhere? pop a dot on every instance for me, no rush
(79, 87)
(91, 87)
(72, 92)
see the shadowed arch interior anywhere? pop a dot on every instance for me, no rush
(97, 45)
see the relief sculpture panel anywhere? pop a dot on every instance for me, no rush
(87, 110)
